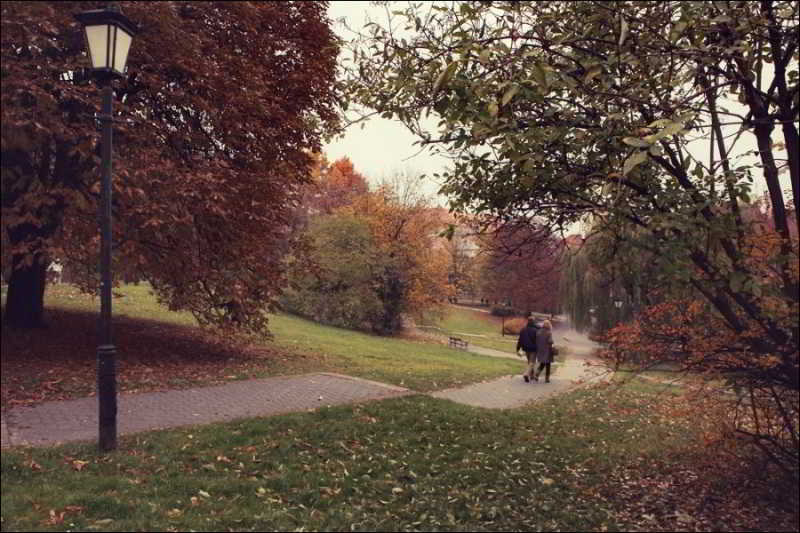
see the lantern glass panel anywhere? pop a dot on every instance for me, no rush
(97, 37)
(121, 49)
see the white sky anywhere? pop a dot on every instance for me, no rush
(385, 147)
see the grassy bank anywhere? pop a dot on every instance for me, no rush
(592, 460)
(161, 349)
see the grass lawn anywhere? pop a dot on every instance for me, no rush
(160, 349)
(592, 460)
(419, 366)
(482, 328)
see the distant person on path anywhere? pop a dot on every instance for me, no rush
(527, 343)
(544, 350)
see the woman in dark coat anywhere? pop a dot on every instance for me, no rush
(544, 350)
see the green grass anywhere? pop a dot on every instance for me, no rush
(419, 366)
(415, 463)
(483, 329)
(135, 301)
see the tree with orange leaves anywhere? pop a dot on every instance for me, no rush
(335, 185)
(764, 407)
(406, 228)
(373, 256)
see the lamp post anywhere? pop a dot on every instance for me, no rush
(618, 305)
(108, 37)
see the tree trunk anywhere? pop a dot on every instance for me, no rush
(25, 299)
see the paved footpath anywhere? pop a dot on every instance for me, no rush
(579, 368)
(76, 420)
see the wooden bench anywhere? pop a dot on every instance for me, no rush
(455, 342)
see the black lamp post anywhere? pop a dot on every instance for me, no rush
(108, 37)
(618, 305)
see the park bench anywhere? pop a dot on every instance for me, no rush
(455, 342)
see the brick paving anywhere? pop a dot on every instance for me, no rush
(76, 420)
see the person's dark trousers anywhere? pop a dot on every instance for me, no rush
(546, 367)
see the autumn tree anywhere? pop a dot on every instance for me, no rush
(406, 230)
(339, 288)
(521, 265)
(381, 249)
(623, 111)
(335, 185)
(221, 107)
(681, 329)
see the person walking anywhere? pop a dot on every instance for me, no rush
(527, 343)
(544, 350)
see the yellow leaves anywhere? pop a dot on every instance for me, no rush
(79, 465)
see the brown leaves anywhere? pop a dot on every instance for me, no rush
(209, 202)
(59, 365)
(57, 517)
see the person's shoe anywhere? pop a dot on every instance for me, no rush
(536, 377)
(527, 379)
(547, 381)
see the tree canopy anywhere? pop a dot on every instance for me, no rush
(372, 256)
(222, 105)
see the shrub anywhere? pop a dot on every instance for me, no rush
(501, 310)
(514, 326)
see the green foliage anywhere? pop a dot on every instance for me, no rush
(598, 125)
(619, 115)
(341, 291)
(553, 111)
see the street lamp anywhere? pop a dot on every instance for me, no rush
(618, 305)
(108, 34)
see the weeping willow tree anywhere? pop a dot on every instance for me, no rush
(600, 272)
(587, 293)
(612, 265)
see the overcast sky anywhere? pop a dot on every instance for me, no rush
(383, 147)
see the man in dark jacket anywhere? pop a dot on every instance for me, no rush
(527, 343)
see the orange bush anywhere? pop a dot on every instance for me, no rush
(514, 326)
